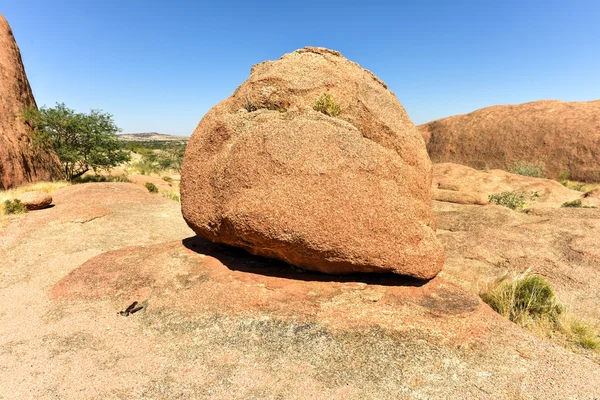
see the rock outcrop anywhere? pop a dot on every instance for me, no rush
(35, 200)
(20, 160)
(563, 136)
(470, 186)
(266, 172)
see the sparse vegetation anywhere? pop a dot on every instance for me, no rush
(534, 170)
(101, 178)
(167, 179)
(326, 105)
(14, 207)
(151, 187)
(172, 195)
(513, 200)
(575, 204)
(529, 301)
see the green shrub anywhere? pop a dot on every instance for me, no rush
(151, 187)
(572, 204)
(101, 178)
(529, 300)
(327, 105)
(524, 298)
(171, 196)
(14, 207)
(167, 179)
(534, 170)
(512, 200)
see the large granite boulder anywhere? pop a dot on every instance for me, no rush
(267, 172)
(20, 160)
(563, 137)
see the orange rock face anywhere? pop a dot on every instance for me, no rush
(564, 136)
(20, 160)
(266, 172)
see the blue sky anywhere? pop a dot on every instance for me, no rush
(160, 65)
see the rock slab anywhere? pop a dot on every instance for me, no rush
(36, 200)
(20, 160)
(266, 172)
(563, 136)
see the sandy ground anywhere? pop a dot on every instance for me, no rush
(218, 323)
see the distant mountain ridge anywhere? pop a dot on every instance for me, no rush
(151, 136)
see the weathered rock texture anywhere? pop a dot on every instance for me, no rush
(470, 186)
(20, 161)
(35, 200)
(565, 136)
(336, 195)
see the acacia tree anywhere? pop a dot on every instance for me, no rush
(82, 141)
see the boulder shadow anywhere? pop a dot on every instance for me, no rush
(237, 259)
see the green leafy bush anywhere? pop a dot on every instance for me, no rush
(14, 207)
(327, 105)
(83, 142)
(534, 170)
(512, 200)
(151, 187)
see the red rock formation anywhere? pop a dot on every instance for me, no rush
(564, 136)
(20, 160)
(266, 172)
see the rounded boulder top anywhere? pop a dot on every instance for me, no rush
(313, 161)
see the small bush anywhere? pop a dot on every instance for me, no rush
(529, 300)
(512, 200)
(100, 178)
(327, 105)
(167, 179)
(151, 187)
(524, 298)
(14, 207)
(534, 170)
(171, 196)
(572, 204)
(583, 335)
(575, 204)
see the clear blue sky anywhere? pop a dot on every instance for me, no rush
(160, 65)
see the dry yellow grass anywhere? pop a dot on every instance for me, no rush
(47, 187)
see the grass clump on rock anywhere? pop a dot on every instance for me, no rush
(512, 200)
(529, 301)
(534, 170)
(524, 298)
(151, 187)
(327, 105)
(14, 207)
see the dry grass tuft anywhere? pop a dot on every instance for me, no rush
(529, 301)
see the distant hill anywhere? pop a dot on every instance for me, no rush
(151, 137)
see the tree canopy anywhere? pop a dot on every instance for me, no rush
(82, 141)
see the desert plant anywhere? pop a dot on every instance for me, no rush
(529, 300)
(82, 141)
(523, 298)
(14, 207)
(101, 178)
(572, 204)
(171, 195)
(512, 200)
(249, 106)
(151, 187)
(326, 105)
(167, 179)
(534, 170)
